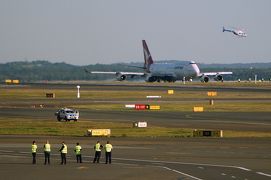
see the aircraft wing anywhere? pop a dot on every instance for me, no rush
(214, 73)
(118, 73)
(218, 76)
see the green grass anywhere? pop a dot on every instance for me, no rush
(22, 93)
(118, 129)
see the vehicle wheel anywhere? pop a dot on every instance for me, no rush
(58, 118)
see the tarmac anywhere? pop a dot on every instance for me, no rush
(147, 158)
(144, 158)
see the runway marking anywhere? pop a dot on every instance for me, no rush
(4, 151)
(126, 164)
(156, 162)
(179, 172)
(130, 147)
(245, 169)
(27, 152)
(17, 156)
(82, 167)
(264, 174)
(159, 164)
(183, 163)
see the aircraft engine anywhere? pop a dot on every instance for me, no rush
(121, 77)
(204, 79)
(218, 77)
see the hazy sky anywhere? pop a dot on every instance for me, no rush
(82, 32)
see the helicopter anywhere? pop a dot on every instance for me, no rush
(237, 32)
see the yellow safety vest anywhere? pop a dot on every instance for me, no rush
(34, 148)
(78, 150)
(47, 147)
(108, 147)
(97, 147)
(65, 149)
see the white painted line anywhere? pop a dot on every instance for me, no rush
(245, 169)
(153, 96)
(179, 172)
(159, 164)
(12, 156)
(183, 163)
(6, 151)
(223, 174)
(126, 164)
(25, 152)
(264, 174)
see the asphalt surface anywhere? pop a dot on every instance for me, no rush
(146, 158)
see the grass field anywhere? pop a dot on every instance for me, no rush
(113, 100)
(118, 129)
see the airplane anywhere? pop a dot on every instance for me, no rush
(168, 71)
(237, 32)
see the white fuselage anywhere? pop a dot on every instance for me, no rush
(178, 70)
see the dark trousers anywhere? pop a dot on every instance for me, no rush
(97, 156)
(47, 157)
(79, 158)
(34, 158)
(63, 158)
(108, 157)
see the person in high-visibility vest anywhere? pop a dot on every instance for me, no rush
(63, 151)
(47, 150)
(108, 149)
(98, 148)
(34, 151)
(77, 151)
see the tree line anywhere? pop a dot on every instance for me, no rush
(47, 71)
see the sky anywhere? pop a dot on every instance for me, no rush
(83, 32)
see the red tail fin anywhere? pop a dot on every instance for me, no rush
(147, 56)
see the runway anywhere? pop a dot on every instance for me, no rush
(143, 158)
(248, 121)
